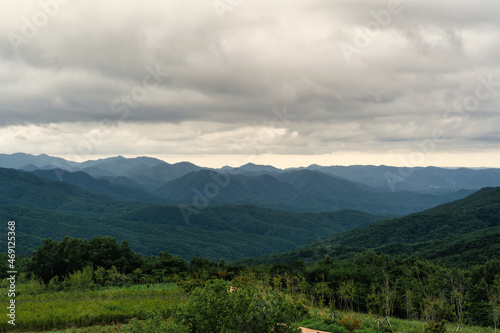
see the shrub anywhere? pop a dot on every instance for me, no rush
(386, 329)
(350, 323)
(215, 309)
(435, 326)
(81, 280)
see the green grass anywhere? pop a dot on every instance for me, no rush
(61, 310)
(153, 286)
(321, 321)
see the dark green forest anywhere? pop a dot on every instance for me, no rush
(461, 233)
(401, 287)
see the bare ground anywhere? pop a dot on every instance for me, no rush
(308, 330)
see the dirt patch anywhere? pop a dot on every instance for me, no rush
(308, 330)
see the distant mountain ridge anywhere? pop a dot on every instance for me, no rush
(147, 172)
(20, 160)
(45, 208)
(99, 186)
(373, 189)
(299, 191)
(419, 179)
(152, 173)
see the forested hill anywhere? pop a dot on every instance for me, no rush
(99, 186)
(49, 209)
(302, 191)
(458, 233)
(480, 210)
(24, 189)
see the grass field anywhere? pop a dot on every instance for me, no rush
(142, 308)
(37, 311)
(320, 320)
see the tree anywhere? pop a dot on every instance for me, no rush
(321, 290)
(74, 253)
(390, 296)
(100, 276)
(71, 255)
(494, 296)
(172, 264)
(107, 252)
(375, 303)
(347, 292)
(46, 262)
(409, 307)
(459, 288)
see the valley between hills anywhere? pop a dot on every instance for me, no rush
(250, 211)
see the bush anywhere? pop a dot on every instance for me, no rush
(80, 280)
(435, 326)
(386, 329)
(301, 309)
(215, 308)
(350, 323)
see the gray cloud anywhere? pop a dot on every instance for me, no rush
(232, 73)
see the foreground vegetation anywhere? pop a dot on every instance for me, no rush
(166, 308)
(78, 284)
(319, 320)
(367, 323)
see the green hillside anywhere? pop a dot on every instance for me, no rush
(27, 190)
(458, 233)
(299, 191)
(49, 209)
(230, 232)
(99, 186)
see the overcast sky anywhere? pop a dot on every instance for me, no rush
(227, 82)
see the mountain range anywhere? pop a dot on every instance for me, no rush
(45, 208)
(254, 210)
(153, 173)
(300, 191)
(311, 189)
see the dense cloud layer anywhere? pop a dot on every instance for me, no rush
(191, 77)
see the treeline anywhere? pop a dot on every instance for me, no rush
(408, 288)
